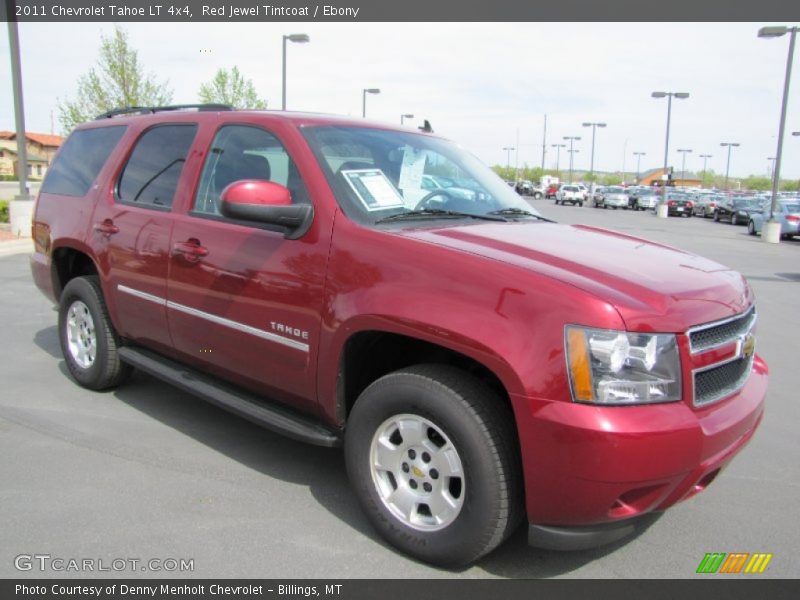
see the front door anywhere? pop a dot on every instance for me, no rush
(243, 301)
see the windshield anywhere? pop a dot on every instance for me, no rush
(791, 208)
(747, 203)
(378, 173)
(615, 190)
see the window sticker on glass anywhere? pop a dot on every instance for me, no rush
(412, 169)
(374, 190)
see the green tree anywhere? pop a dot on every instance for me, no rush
(231, 87)
(754, 182)
(117, 81)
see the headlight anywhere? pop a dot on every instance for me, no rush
(616, 367)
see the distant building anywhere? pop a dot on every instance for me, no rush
(653, 177)
(40, 147)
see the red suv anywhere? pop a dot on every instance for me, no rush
(479, 363)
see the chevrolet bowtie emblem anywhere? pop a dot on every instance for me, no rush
(748, 345)
(417, 471)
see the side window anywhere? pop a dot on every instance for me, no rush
(245, 152)
(80, 160)
(151, 175)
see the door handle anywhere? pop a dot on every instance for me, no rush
(191, 249)
(107, 227)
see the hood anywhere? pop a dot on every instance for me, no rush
(652, 286)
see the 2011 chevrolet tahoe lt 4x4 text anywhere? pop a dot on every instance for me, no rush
(351, 283)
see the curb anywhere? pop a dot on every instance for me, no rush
(23, 246)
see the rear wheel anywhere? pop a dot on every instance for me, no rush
(751, 227)
(432, 455)
(88, 340)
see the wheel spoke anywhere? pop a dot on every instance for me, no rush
(448, 462)
(386, 455)
(411, 431)
(405, 502)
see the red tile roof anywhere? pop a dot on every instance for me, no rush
(45, 139)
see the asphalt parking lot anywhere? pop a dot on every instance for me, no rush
(147, 471)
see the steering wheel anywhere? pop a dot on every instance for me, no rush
(425, 202)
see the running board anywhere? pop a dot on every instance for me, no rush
(251, 407)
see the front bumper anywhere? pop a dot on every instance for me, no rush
(596, 466)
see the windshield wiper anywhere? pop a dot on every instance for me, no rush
(520, 212)
(435, 213)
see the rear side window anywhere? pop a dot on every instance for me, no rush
(80, 160)
(151, 175)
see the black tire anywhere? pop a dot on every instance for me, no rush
(106, 369)
(479, 425)
(580, 204)
(751, 227)
(537, 196)
(716, 216)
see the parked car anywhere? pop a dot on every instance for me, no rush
(736, 210)
(584, 190)
(646, 199)
(613, 196)
(571, 194)
(787, 213)
(678, 204)
(705, 205)
(291, 268)
(551, 190)
(527, 188)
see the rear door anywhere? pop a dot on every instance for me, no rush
(244, 302)
(132, 229)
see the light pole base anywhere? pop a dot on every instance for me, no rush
(662, 211)
(771, 232)
(20, 215)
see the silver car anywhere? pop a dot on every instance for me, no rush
(613, 196)
(787, 213)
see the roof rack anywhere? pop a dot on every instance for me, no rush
(129, 110)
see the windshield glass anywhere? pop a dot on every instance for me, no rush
(615, 190)
(377, 173)
(791, 208)
(746, 203)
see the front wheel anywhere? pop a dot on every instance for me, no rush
(751, 227)
(432, 455)
(88, 340)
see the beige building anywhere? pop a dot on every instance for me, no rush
(41, 148)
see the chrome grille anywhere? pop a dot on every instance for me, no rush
(712, 335)
(717, 382)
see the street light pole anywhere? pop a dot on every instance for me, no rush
(299, 38)
(364, 93)
(571, 139)
(558, 148)
(404, 117)
(594, 127)
(772, 228)
(638, 156)
(662, 207)
(684, 151)
(508, 150)
(770, 166)
(728, 164)
(20, 209)
(705, 158)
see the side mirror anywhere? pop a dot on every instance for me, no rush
(266, 202)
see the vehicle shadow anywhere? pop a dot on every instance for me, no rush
(321, 470)
(47, 340)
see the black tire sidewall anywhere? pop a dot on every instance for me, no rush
(457, 543)
(81, 289)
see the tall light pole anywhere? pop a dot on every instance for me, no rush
(705, 158)
(638, 156)
(662, 207)
(624, 158)
(594, 127)
(508, 150)
(772, 228)
(364, 93)
(684, 151)
(20, 208)
(299, 38)
(770, 166)
(729, 145)
(558, 148)
(571, 139)
(404, 117)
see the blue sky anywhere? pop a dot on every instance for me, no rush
(478, 84)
